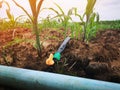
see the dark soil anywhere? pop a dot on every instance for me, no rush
(99, 59)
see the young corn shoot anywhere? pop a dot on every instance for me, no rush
(35, 8)
(90, 17)
(12, 21)
(90, 25)
(62, 17)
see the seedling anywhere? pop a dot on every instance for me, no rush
(62, 17)
(90, 25)
(10, 21)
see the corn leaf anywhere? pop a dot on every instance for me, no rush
(33, 6)
(89, 7)
(60, 9)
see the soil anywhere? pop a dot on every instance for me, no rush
(99, 59)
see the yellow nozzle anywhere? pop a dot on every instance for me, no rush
(50, 60)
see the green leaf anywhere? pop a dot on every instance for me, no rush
(60, 9)
(89, 7)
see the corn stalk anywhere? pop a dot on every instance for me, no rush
(88, 13)
(89, 26)
(35, 8)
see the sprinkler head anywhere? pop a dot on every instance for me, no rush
(57, 56)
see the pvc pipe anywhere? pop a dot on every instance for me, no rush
(57, 55)
(63, 45)
(38, 80)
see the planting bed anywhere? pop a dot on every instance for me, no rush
(99, 59)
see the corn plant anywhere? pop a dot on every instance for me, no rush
(11, 21)
(62, 17)
(90, 25)
(35, 8)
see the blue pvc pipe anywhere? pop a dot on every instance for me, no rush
(38, 80)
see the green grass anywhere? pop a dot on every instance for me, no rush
(109, 25)
(46, 23)
(101, 25)
(54, 24)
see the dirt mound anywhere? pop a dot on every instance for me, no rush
(100, 59)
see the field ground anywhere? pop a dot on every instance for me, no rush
(99, 59)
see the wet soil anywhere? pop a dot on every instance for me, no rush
(99, 59)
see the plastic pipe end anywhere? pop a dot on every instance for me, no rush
(57, 56)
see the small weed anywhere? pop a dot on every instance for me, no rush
(15, 41)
